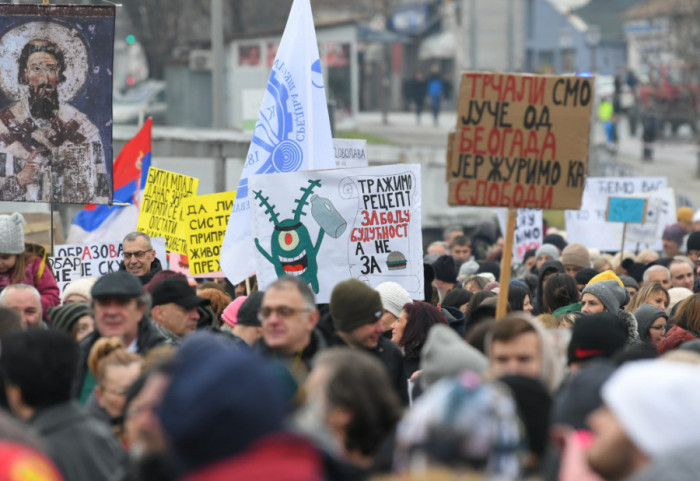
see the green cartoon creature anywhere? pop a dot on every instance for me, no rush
(292, 252)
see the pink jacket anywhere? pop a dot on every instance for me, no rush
(46, 284)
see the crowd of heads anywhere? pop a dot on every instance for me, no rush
(157, 376)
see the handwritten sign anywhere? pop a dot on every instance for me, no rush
(328, 226)
(205, 218)
(626, 209)
(588, 225)
(520, 141)
(528, 231)
(350, 153)
(161, 204)
(73, 261)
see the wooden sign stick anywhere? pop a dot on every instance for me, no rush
(506, 261)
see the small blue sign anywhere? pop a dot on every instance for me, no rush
(626, 209)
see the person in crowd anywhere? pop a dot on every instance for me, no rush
(527, 266)
(119, 306)
(445, 275)
(672, 240)
(477, 299)
(218, 301)
(686, 325)
(74, 318)
(461, 252)
(519, 298)
(175, 305)
(236, 431)
(575, 257)
(437, 248)
(545, 253)
(22, 263)
(143, 434)
(634, 426)
(349, 411)
(26, 300)
(651, 322)
(450, 232)
(676, 295)
(415, 93)
(355, 314)
(246, 324)
(519, 345)
(475, 283)
(548, 269)
(289, 317)
(609, 296)
(394, 297)
(647, 256)
(584, 276)
(229, 316)
(436, 91)
(559, 292)
(682, 272)
(78, 291)
(461, 428)
(630, 284)
(140, 257)
(652, 293)
(458, 298)
(37, 367)
(410, 331)
(658, 273)
(594, 336)
(693, 249)
(115, 370)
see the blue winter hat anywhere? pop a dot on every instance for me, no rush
(221, 399)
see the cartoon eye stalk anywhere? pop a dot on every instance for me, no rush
(292, 252)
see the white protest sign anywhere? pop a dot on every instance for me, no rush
(588, 226)
(350, 153)
(328, 226)
(94, 259)
(661, 210)
(528, 231)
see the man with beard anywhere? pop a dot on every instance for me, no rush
(48, 149)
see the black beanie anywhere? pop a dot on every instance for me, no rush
(248, 311)
(445, 269)
(555, 239)
(634, 269)
(65, 317)
(585, 275)
(597, 335)
(492, 267)
(693, 242)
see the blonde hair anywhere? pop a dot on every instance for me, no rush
(109, 351)
(648, 290)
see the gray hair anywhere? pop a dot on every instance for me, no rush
(20, 287)
(301, 286)
(684, 259)
(132, 236)
(656, 268)
(452, 228)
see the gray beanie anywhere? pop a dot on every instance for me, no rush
(11, 234)
(446, 354)
(549, 249)
(394, 297)
(611, 294)
(646, 314)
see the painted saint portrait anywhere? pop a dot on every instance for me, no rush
(55, 103)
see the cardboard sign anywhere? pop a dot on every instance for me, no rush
(588, 224)
(56, 106)
(350, 153)
(161, 206)
(328, 226)
(520, 141)
(626, 209)
(73, 261)
(205, 218)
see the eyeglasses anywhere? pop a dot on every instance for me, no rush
(138, 254)
(281, 311)
(658, 328)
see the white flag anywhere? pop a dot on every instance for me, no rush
(293, 132)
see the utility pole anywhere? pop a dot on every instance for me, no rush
(217, 87)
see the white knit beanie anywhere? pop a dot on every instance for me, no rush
(643, 394)
(11, 234)
(80, 287)
(394, 297)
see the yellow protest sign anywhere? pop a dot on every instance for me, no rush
(205, 218)
(161, 206)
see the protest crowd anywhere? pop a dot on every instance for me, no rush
(144, 374)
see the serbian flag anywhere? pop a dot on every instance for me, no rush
(293, 132)
(107, 223)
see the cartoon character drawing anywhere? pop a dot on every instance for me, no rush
(291, 251)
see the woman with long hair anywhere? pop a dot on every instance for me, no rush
(410, 331)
